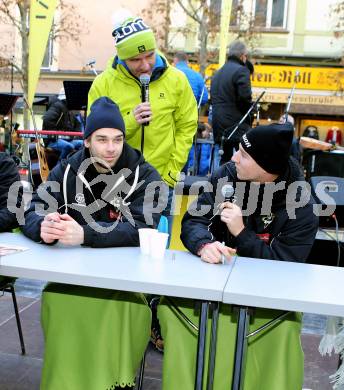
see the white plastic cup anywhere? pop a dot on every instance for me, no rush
(158, 245)
(145, 235)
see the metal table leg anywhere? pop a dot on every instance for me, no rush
(240, 349)
(212, 349)
(201, 342)
(201, 345)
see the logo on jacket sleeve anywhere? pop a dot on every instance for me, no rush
(266, 237)
(267, 220)
(80, 199)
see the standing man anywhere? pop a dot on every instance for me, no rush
(163, 127)
(272, 218)
(231, 98)
(97, 200)
(196, 81)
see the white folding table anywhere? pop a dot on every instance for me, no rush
(179, 274)
(280, 285)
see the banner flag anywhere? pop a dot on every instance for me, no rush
(225, 20)
(41, 19)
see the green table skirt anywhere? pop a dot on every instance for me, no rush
(274, 356)
(94, 338)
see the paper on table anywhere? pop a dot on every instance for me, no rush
(10, 249)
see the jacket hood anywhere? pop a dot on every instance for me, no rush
(292, 174)
(236, 59)
(156, 74)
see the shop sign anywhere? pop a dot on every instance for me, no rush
(276, 76)
(271, 97)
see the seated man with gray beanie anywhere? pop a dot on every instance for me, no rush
(99, 202)
(259, 207)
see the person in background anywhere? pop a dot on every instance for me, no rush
(58, 117)
(295, 146)
(200, 91)
(94, 338)
(231, 98)
(8, 175)
(278, 226)
(203, 154)
(196, 81)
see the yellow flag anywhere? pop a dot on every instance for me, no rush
(226, 9)
(41, 18)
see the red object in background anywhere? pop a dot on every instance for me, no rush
(50, 133)
(23, 171)
(2, 147)
(334, 136)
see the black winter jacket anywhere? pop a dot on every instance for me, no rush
(8, 175)
(99, 201)
(231, 98)
(266, 235)
(57, 117)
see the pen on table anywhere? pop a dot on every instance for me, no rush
(223, 258)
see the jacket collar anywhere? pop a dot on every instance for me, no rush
(291, 174)
(236, 59)
(160, 67)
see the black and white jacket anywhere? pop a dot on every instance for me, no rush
(109, 207)
(268, 235)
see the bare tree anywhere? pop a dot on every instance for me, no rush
(200, 12)
(16, 13)
(157, 14)
(207, 14)
(337, 13)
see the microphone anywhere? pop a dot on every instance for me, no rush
(227, 192)
(91, 63)
(144, 80)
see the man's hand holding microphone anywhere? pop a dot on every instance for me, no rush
(143, 111)
(231, 215)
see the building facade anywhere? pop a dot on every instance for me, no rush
(294, 46)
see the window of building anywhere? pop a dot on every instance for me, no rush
(271, 13)
(235, 17)
(48, 55)
(236, 11)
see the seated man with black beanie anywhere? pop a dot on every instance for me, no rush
(270, 216)
(89, 332)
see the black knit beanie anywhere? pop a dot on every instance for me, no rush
(104, 114)
(269, 146)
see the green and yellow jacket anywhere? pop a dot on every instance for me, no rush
(168, 137)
